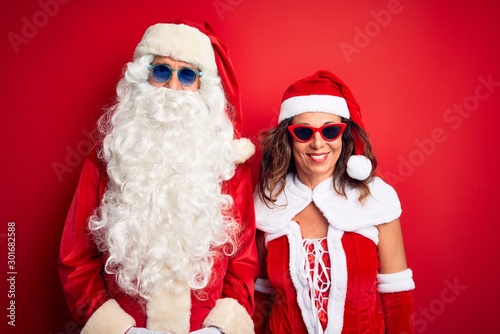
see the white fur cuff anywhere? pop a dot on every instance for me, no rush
(264, 285)
(230, 317)
(401, 281)
(110, 318)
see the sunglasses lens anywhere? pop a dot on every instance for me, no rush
(303, 133)
(162, 73)
(187, 76)
(331, 132)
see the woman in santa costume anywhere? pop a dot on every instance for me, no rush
(160, 236)
(332, 248)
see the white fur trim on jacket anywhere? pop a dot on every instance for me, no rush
(170, 311)
(397, 282)
(344, 214)
(230, 317)
(181, 42)
(338, 288)
(109, 318)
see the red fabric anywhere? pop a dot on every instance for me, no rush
(81, 264)
(398, 312)
(362, 312)
(263, 307)
(285, 316)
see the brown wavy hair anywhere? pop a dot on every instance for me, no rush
(277, 161)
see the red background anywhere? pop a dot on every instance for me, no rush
(410, 64)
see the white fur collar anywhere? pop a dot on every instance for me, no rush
(344, 214)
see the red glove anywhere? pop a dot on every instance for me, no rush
(396, 296)
(398, 312)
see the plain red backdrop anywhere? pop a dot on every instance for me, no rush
(426, 75)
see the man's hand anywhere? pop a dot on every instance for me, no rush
(207, 330)
(138, 330)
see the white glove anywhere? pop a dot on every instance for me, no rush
(207, 330)
(138, 330)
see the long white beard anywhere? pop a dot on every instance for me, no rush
(163, 214)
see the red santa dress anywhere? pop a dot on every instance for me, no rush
(331, 285)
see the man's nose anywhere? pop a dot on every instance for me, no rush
(173, 83)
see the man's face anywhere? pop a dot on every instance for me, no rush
(156, 150)
(173, 82)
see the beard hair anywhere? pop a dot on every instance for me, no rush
(163, 217)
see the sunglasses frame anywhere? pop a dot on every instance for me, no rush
(172, 71)
(314, 130)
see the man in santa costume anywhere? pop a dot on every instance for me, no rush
(160, 234)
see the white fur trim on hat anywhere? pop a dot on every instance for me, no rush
(297, 105)
(397, 282)
(181, 42)
(359, 167)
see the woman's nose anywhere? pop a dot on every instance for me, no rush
(317, 141)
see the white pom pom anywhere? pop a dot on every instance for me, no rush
(359, 167)
(243, 149)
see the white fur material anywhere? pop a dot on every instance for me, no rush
(345, 214)
(230, 317)
(243, 149)
(170, 311)
(181, 42)
(359, 167)
(396, 282)
(338, 288)
(313, 103)
(108, 318)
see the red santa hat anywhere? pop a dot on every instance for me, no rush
(194, 41)
(325, 92)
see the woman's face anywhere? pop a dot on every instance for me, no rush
(315, 160)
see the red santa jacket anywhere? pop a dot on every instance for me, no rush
(96, 301)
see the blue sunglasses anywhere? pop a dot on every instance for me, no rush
(186, 76)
